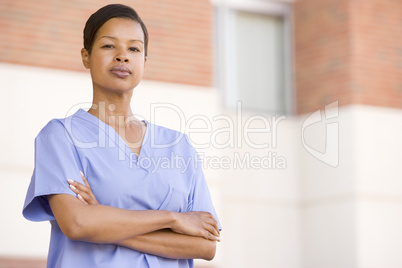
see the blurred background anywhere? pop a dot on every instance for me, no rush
(294, 106)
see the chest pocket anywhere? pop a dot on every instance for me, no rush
(175, 201)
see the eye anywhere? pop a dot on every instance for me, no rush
(135, 49)
(107, 46)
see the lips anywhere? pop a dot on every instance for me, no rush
(120, 72)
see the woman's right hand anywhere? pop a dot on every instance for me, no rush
(196, 223)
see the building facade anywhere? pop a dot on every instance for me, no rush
(294, 107)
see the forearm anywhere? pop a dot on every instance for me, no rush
(168, 244)
(83, 218)
(104, 224)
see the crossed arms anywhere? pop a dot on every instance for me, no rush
(188, 235)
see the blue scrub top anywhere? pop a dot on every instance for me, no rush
(167, 175)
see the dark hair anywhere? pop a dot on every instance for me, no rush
(106, 13)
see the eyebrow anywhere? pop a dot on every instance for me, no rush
(112, 37)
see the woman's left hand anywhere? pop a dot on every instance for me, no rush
(84, 192)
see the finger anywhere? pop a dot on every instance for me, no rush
(211, 237)
(82, 199)
(77, 192)
(211, 226)
(85, 180)
(80, 187)
(81, 191)
(214, 223)
(215, 237)
(74, 183)
(86, 194)
(216, 226)
(208, 215)
(209, 223)
(89, 190)
(211, 229)
(73, 188)
(88, 199)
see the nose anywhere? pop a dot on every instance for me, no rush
(121, 55)
(122, 58)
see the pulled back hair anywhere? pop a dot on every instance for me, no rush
(106, 13)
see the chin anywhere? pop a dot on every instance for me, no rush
(119, 88)
(122, 90)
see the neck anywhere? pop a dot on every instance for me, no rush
(112, 107)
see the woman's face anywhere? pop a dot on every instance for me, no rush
(117, 59)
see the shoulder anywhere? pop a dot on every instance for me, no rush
(161, 136)
(54, 127)
(165, 134)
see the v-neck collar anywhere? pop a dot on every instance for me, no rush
(121, 143)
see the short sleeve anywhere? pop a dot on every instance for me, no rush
(56, 160)
(201, 198)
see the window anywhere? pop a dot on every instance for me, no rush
(253, 56)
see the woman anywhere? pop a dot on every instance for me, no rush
(151, 212)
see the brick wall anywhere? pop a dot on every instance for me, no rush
(377, 51)
(349, 51)
(48, 33)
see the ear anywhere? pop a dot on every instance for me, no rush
(85, 58)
